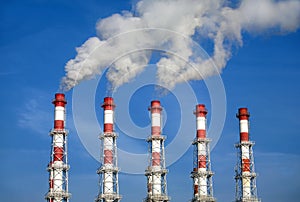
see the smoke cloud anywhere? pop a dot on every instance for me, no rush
(125, 41)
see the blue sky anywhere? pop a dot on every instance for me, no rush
(37, 38)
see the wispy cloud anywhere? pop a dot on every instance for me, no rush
(35, 114)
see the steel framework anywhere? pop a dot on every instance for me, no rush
(245, 177)
(58, 166)
(108, 171)
(202, 174)
(156, 171)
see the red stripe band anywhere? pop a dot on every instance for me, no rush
(108, 127)
(201, 133)
(108, 157)
(244, 137)
(155, 158)
(58, 154)
(246, 165)
(155, 130)
(59, 124)
(201, 161)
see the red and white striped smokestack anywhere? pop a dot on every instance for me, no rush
(108, 172)
(201, 182)
(59, 124)
(108, 144)
(108, 107)
(243, 117)
(156, 171)
(201, 120)
(155, 110)
(201, 133)
(59, 111)
(155, 130)
(58, 139)
(58, 183)
(245, 174)
(155, 117)
(202, 174)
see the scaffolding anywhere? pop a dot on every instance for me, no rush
(108, 172)
(245, 173)
(245, 178)
(198, 174)
(58, 192)
(58, 166)
(156, 172)
(201, 174)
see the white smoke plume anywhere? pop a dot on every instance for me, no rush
(124, 42)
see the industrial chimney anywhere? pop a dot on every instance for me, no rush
(108, 172)
(156, 171)
(245, 174)
(58, 166)
(202, 174)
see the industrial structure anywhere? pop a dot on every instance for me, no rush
(245, 174)
(202, 174)
(58, 166)
(108, 172)
(156, 171)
